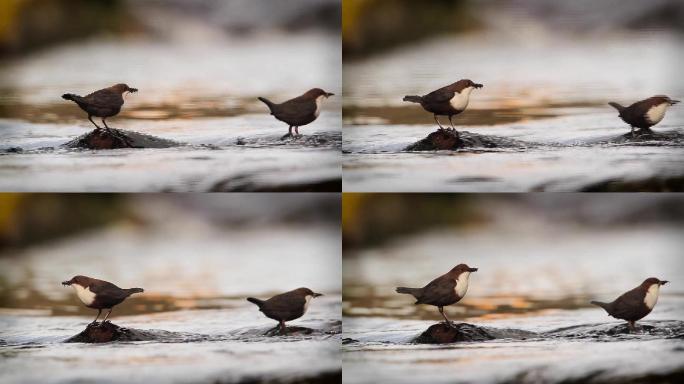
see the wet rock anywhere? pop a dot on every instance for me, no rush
(245, 183)
(449, 140)
(650, 136)
(117, 138)
(14, 150)
(651, 184)
(442, 333)
(105, 332)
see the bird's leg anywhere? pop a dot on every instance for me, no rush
(91, 120)
(289, 131)
(632, 327)
(441, 310)
(99, 311)
(297, 131)
(437, 121)
(632, 131)
(452, 123)
(283, 330)
(106, 126)
(107, 315)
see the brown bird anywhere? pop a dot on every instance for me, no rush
(286, 306)
(635, 304)
(299, 111)
(645, 113)
(445, 290)
(99, 294)
(446, 101)
(104, 103)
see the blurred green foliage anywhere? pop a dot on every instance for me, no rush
(30, 24)
(29, 218)
(369, 26)
(371, 219)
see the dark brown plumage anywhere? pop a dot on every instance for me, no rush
(444, 290)
(446, 101)
(635, 304)
(286, 306)
(645, 113)
(299, 111)
(104, 103)
(99, 294)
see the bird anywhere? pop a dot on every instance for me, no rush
(104, 103)
(635, 304)
(286, 306)
(446, 101)
(299, 111)
(445, 290)
(99, 294)
(645, 113)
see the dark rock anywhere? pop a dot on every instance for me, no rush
(14, 150)
(651, 184)
(106, 332)
(449, 140)
(442, 333)
(244, 183)
(116, 138)
(648, 137)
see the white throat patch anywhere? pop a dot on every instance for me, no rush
(307, 299)
(84, 294)
(652, 296)
(319, 100)
(462, 284)
(656, 113)
(460, 100)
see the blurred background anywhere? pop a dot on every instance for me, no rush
(541, 259)
(197, 257)
(549, 68)
(199, 67)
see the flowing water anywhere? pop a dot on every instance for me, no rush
(197, 324)
(532, 292)
(548, 92)
(201, 94)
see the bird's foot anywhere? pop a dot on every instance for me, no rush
(285, 136)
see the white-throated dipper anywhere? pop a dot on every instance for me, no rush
(99, 294)
(645, 113)
(299, 111)
(446, 101)
(286, 306)
(104, 103)
(635, 304)
(445, 290)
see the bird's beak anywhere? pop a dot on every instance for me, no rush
(673, 102)
(478, 85)
(663, 282)
(132, 90)
(329, 94)
(472, 269)
(66, 282)
(317, 294)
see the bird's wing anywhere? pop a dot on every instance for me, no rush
(441, 95)
(289, 302)
(640, 108)
(439, 288)
(296, 108)
(104, 98)
(625, 304)
(100, 287)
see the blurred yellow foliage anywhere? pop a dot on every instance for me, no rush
(9, 205)
(9, 11)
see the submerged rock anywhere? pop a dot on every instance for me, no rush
(450, 140)
(442, 333)
(117, 138)
(650, 136)
(105, 332)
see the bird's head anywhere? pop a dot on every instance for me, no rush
(307, 292)
(83, 281)
(315, 93)
(122, 88)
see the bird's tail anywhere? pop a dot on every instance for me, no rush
(616, 106)
(258, 302)
(69, 96)
(415, 292)
(600, 304)
(413, 99)
(134, 290)
(266, 101)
